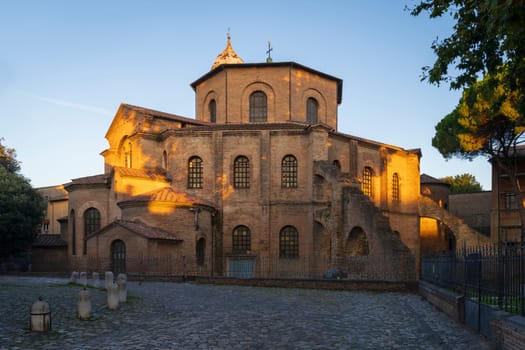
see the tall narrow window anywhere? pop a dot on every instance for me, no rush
(312, 108)
(289, 243)
(366, 185)
(241, 240)
(200, 251)
(73, 233)
(195, 172)
(129, 156)
(91, 224)
(164, 160)
(289, 172)
(213, 111)
(395, 188)
(241, 172)
(258, 107)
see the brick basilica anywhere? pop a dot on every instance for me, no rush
(260, 183)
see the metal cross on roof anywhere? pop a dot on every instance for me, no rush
(270, 49)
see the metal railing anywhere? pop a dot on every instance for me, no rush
(492, 275)
(400, 267)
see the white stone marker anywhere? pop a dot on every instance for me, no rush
(74, 277)
(96, 280)
(109, 279)
(122, 277)
(84, 305)
(113, 296)
(40, 316)
(83, 278)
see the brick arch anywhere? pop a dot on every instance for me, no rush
(322, 112)
(270, 100)
(211, 95)
(463, 233)
(356, 242)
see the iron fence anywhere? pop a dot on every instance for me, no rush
(492, 275)
(400, 267)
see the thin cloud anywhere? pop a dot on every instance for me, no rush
(73, 105)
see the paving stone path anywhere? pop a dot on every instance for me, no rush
(191, 316)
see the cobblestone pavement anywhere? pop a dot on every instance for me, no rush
(191, 316)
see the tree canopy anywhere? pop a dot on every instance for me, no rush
(464, 183)
(21, 207)
(486, 52)
(487, 35)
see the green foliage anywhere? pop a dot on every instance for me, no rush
(487, 34)
(487, 121)
(21, 208)
(8, 158)
(464, 183)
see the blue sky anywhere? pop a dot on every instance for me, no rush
(65, 66)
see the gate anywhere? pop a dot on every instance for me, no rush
(241, 268)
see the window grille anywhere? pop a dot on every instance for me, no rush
(241, 172)
(241, 240)
(289, 243)
(258, 107)
(289, 172)
(195, 172)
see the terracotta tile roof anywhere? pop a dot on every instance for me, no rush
(90, 180)
(427, 179)
(143, 173)
(250, 126)
(162, 115)
(167, 194)
(141, 229)
(49, 240)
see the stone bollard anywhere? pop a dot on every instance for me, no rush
(113, 296)
(109, 279)
(74, 277)
(122, 277)
(84, 305)
(40, 316)
(96, 280)
(122, 292)
(83, 279)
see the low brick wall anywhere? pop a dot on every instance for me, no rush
(509, 333)
(343, 284)
(450, 303)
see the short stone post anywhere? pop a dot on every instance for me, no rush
(84, 305)
(109, 279)
(40, 316)
(74, 277)
(113, 296)
(122, 291)
(83, 279)
(122, 277)
(96, 280)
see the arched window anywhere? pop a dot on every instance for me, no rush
(195, 172)
(73, 233)
(118, 257)
(200, 251)
(312, 107)
(241, 172)
(91, 224)
(258, 107)
(395, 188)
(289, 172)
(289, 243)
(241, 240)
(164, 160)
(213, 111)
(366, 185)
